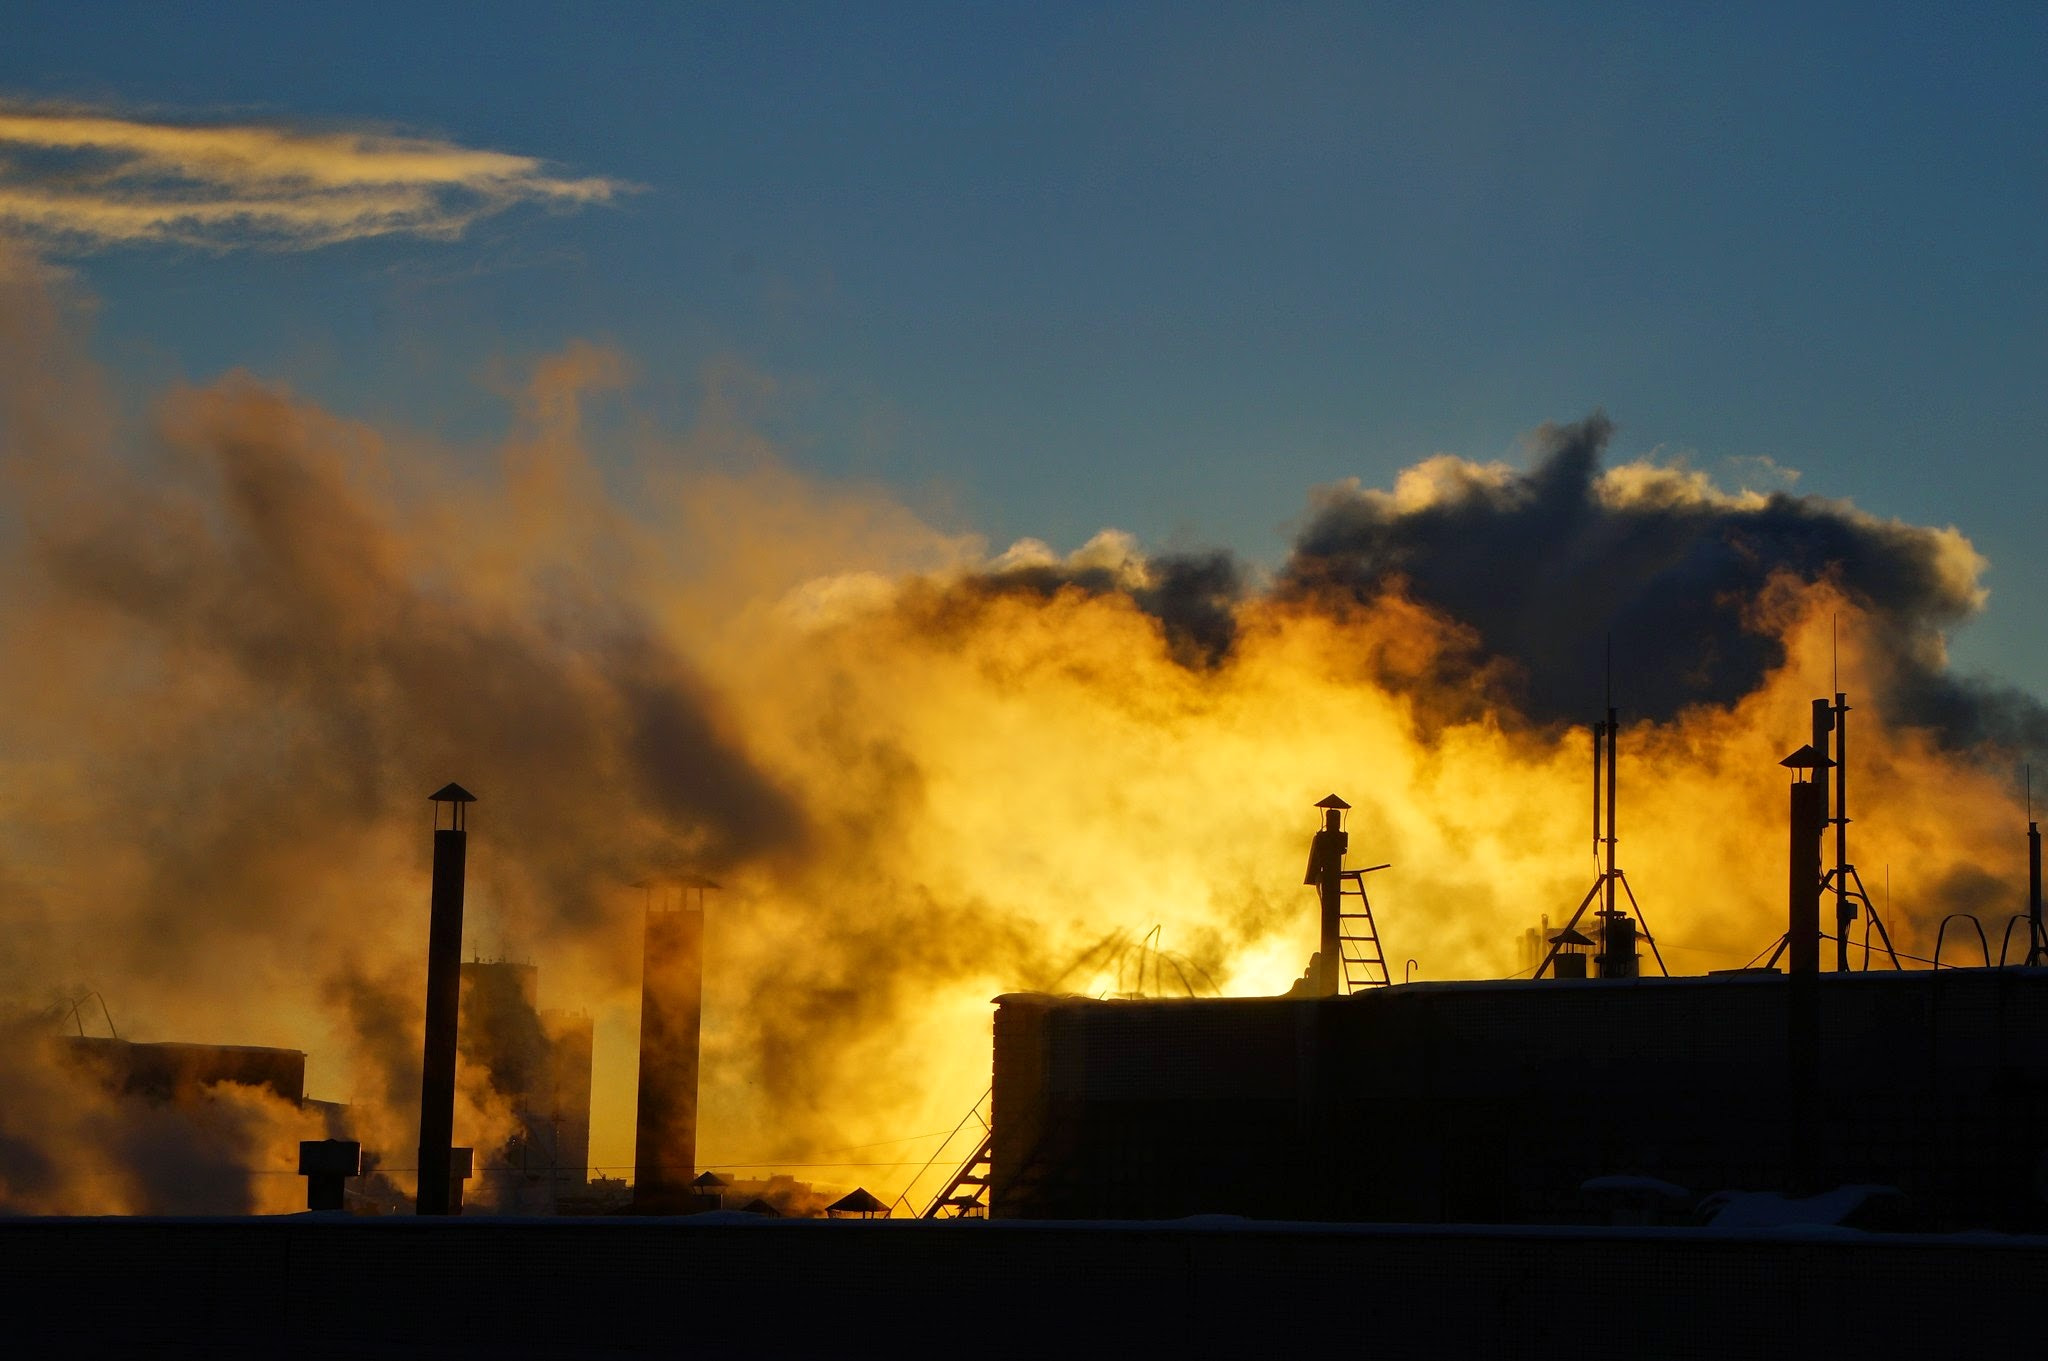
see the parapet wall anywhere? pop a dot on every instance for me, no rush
(1495, 1102)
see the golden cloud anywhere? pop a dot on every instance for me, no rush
(85, 180)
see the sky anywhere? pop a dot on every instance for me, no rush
(1036, 271)
(1053, 267)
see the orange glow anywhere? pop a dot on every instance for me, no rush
(242, 652)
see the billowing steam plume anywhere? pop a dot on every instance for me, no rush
(246, 640)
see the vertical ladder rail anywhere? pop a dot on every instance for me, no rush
(1363, 958)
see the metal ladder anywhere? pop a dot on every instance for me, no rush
(964, 1195)
(1358, 941)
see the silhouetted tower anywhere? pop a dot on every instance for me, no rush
(444, 997)
(1845, 906)
(1326, 873)
(2037, 946)
(1618, 931)
(1617, 957)
(671, 1019)
(1808, 817)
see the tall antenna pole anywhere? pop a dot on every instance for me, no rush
(1611, 945)
(2037, 944)
(1845, 911)
(1599, 745)
(1611, 726)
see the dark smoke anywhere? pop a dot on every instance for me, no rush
(1547, 570)
(1193, 596)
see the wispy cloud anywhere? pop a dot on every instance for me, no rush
(84, 180)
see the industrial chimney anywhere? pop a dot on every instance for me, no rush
(1326, 874)
(671, 1016)
(444, 996)
(1808, 817)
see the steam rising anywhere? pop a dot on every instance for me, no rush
(247, 641)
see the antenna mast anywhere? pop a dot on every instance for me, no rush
(1618, 931)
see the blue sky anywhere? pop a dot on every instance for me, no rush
(1052, 267)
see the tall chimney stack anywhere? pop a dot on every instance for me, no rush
(671, 1021)
(1326, 872)
(1808, 817)
(444, 997)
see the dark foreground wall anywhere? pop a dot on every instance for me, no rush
(593, 1288)
(1495, 1102)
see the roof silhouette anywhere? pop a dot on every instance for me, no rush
(858, 1202)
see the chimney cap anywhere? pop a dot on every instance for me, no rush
(451, 793)
(1332, 802)
(1806, 758)
(709, 1181)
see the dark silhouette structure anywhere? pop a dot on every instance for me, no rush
(182, 1072)
(1326, 874)
(444, 985)
(2037, 939)
(857, 1204)
(1349, 955)
(1512, 1102)
(348, 1288)
(1803, 886)
(1495, 1102)
(671, 1018)
(538, 1064)
(1815, 772)
(1618, 956)
(327, 1164)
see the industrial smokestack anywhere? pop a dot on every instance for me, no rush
(1326, 872)
(1808, 816)
(671, 1020)
(444, 997)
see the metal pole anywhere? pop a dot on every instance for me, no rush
(1845, 910)
(2037, 945)
(1610, 964)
